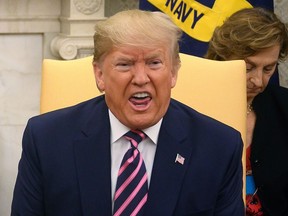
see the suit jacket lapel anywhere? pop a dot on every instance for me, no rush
(167, 175)
(93, 163)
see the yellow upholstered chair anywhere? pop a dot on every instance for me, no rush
(215, 88)
(65, 83)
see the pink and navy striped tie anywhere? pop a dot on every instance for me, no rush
(132, 186)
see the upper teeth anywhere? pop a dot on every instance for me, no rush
(140, 95)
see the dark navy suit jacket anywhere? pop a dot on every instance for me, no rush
(269, 150)
(65, 166)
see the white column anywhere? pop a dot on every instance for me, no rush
(78, 18)
(281, 8)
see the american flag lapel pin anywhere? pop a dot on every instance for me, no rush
(179, 159)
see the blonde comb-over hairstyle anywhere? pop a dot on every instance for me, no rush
(136, 28)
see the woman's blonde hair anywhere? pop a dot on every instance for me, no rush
(136, 28)
(247, 32)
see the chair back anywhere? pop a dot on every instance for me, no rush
(214, 88)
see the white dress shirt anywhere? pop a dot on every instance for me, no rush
(119, 146)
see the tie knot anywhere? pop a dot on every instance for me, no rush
(135, 137)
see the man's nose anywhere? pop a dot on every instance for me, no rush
(140, 76)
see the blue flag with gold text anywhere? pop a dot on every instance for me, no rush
(198, 19)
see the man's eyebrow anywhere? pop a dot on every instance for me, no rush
(154, 55)
(124, 58)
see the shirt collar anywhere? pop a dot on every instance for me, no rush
(118, 129)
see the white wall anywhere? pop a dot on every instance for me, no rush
(20, 66)
(281, 8)
(26, 29)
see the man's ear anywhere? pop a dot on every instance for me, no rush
(174, 78)
(174, 72)
(98, 76)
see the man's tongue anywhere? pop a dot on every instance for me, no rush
(139, 101)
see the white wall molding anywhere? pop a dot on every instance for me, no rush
(71, 47)
(77, 21)
(87, 7)
(29, 24)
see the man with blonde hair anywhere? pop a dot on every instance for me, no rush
(133, 150)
